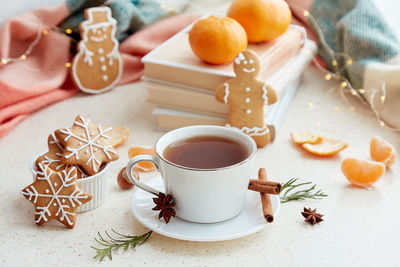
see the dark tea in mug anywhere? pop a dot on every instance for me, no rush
(206, 152)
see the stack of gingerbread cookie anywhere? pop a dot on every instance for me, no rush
(79, 153)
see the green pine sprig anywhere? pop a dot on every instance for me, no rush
(308, 193)
(112, 244)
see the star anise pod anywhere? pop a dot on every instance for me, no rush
(312, 216)
(165, 204)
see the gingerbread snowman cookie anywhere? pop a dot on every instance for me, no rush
(97, 67)
(246, 96)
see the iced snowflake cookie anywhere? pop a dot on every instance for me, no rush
(52, 158)
(97, 66)
(246, 96)
(86, 144)
(56, 195)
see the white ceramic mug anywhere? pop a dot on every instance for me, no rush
(201, 195)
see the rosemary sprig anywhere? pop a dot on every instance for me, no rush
(308, 193)
(111, 243)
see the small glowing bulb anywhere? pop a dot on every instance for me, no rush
(353, 92)
(383, 98)
(382, 123)
(352, 108)
(306, 13)
(349, 62)
(163, 6)
(45, 32)
(308, 52)
(328, 77)
(68, 64)
(334, 63)
(23, 57)
(310, 105)
(361, 91)
(343, 84)
(4, 61)
(336, 109)
(68, 31)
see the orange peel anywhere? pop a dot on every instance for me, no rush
(327, 147)
(302, 137)
(144, 166)
(118, 135)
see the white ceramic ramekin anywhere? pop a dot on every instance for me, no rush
(96, 185)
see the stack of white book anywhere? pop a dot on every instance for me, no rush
(182, 86)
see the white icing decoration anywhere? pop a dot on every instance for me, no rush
(254, 131)
(265, 94)
(245, 62)
(55, 184)
(89, 143)
(239, 58)
(56, 197)
(251, 61)
(105, 77)
(88, 25)
(97, 39)
(102, 59)
(248, 111)
(104, 68)
(114, 54)
(101, 50)
(247, 100)
(247, 89)
(249, 70)
(226, 92)
(48, 161)
(86, 53)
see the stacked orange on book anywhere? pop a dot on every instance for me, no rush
(263, 20)
(217, 40)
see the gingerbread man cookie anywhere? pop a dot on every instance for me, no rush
(97, 66)
(52, 158)
(55, 196)
(86, 144)
(246, 97)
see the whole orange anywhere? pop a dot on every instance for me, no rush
(263, 20)
(217, 40)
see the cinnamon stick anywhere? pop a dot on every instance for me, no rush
(265, 186)
(265, 199)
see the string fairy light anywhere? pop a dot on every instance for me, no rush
(28, 51)
(343, 82)
(42, 31)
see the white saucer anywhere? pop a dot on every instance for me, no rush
(249, 221)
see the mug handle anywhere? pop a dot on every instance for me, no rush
(133, 176)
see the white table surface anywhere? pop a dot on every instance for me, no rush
(361, 226)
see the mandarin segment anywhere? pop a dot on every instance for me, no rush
(362, 173)
(382, 151)
(144, 166)
(301, 137)
(327, 147)
(217, 40)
